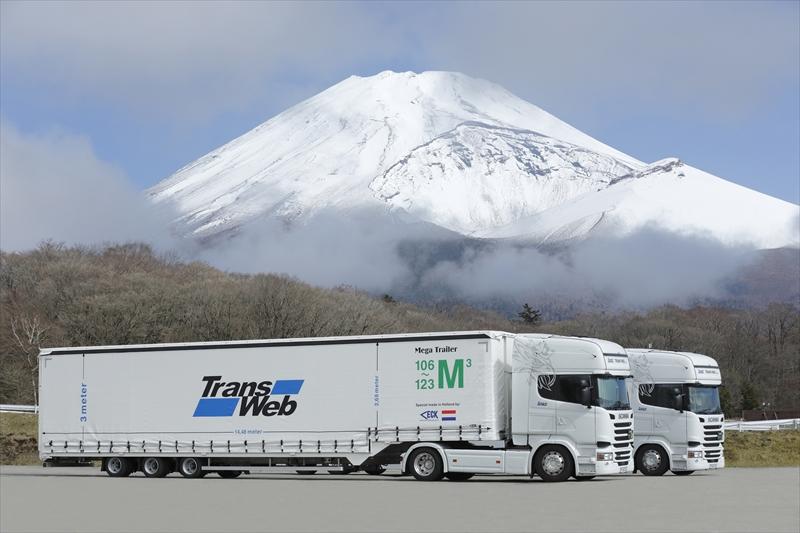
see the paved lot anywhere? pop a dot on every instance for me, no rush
(83, 499)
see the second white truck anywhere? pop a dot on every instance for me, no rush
(679, 421)
(433, 405)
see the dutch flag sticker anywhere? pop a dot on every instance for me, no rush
(448, 415)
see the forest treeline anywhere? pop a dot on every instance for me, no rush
(127, 294)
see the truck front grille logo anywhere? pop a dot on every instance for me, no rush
(221, 398)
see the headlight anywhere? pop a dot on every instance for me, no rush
(696, 455)
(605, 456)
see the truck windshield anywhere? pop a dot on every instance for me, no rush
(611, 393)
(704, 400)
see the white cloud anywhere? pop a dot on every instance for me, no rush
(182, 58)
(53, 186)
(713, 58)
(199, 59)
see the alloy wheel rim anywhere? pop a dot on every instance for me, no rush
(151, 465)
(651, 459)
(114, 465)
(424, 464)
(553, 463)
(190, 466)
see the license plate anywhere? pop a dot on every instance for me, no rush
(713, 465)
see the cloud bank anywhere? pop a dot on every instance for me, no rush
(374, 252)
(53, 187)
(206, 57)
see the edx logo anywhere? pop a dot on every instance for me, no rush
(221, 398)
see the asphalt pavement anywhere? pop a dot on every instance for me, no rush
(84, 499)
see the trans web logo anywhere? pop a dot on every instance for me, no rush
(221, 398)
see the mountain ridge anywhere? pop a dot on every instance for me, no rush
(464, 154)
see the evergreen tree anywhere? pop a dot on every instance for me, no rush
(750, 396)
(529, 315)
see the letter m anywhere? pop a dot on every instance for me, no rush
(447, 380)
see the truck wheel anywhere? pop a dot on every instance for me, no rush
(651, 460)
(553, 463)
(229, 474)
(683, 472)
(458, 476)
(426, 464)
(118, 467)
(155, 467)
(190, 467)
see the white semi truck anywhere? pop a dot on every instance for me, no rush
(679, 422)
(433, 405)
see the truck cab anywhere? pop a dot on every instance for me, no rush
(571, 393)
(679, 421)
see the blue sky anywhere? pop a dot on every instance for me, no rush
(148, 87)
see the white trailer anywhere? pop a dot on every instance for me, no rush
(435, 405)
(679, 422)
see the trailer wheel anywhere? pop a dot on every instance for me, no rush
(155, 467)
(553, 463)
(683, 472)
(229, 474)
(426, 464)
(190, 467)
(458, 476)
(651, 460)
(118, 467)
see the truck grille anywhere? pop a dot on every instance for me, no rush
(623, 442)
(714, 436)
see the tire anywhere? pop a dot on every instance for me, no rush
(683, 472)
(553, 463)
(190, 467)
(426, 464)
(118, 467)
(583, 478)
(229, 474)
(155, 467)
(458, 476)
(652, 460)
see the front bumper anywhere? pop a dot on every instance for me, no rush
(684, 463)
(590, 466)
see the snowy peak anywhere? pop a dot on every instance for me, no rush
(671, 196)
(479, 176)
(461, 153)
(325, 151)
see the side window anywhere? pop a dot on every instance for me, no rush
(562, 388)
(657, 395)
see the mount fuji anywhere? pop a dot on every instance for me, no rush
(464, 155)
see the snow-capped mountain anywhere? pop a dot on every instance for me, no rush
(463, 154)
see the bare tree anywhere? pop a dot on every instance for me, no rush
(29, 333)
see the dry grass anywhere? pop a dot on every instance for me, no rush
(18, 433)
(762, 448)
